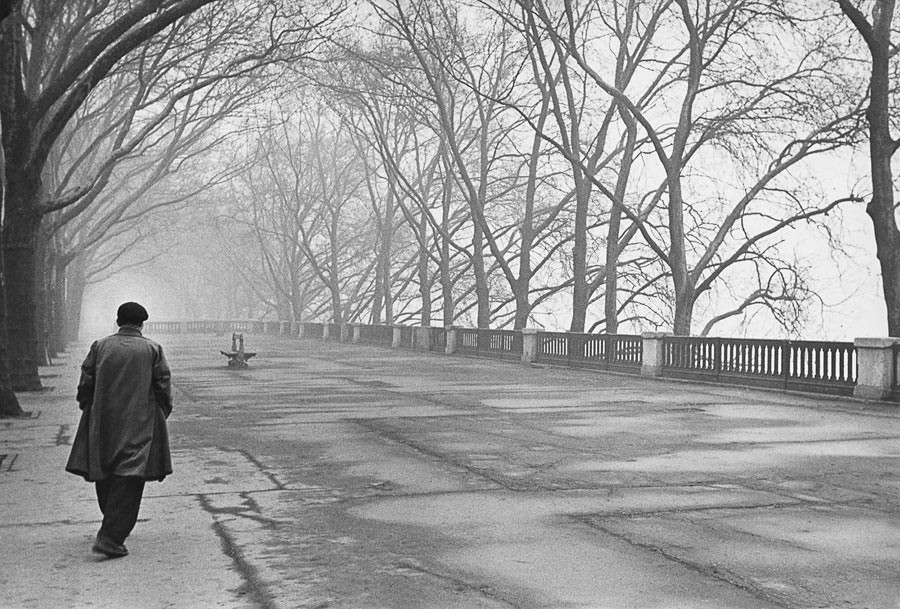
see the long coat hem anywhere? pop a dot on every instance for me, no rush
(125, 397)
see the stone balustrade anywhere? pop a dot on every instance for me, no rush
(866, 368)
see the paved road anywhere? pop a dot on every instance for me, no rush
(342, 476)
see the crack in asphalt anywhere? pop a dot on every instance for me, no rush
(249, 509)
(396, 437)
(686, 510)
(254, 587)
(458, 584)
(714, 571)
(262, 469)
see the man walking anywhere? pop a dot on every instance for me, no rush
(125, 396)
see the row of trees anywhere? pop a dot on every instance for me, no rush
(102, 103)
(634, 163)
(626, 162)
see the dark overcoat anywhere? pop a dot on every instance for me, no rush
(125, 395)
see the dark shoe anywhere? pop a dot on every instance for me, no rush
(108, 547)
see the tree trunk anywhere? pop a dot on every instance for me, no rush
(610, 298)
(43, 297)
(74, 297)
(386, 289)
(684, 312)
(387, 246)
(523, 283)
(580, 295)
(58, 334)
(681, 278)
(447, 308)
(377, 302)
(684, 297)
(20, 237)
(336, 307)
(424, 281)
(9, 403)
(881, 149)
(482, 291)
(381, 296)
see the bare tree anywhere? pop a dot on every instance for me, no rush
(784, 112)
(882, 144)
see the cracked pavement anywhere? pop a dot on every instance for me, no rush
(353, 476)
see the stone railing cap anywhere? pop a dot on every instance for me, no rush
(655, 334)
(876, 343)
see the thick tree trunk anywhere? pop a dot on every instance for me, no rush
(20, 238)
(580, 293)
(887, 240)
(482, 291)
(336, 306)
(523, 305)
(684, 313)
(9, 403)
(523, 286)
(447, 308)
(681, 278)
(881, 149)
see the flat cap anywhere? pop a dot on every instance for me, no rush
(131, 313)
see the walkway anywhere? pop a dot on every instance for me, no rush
(354, 477)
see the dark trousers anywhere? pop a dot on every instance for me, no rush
(120, 500)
